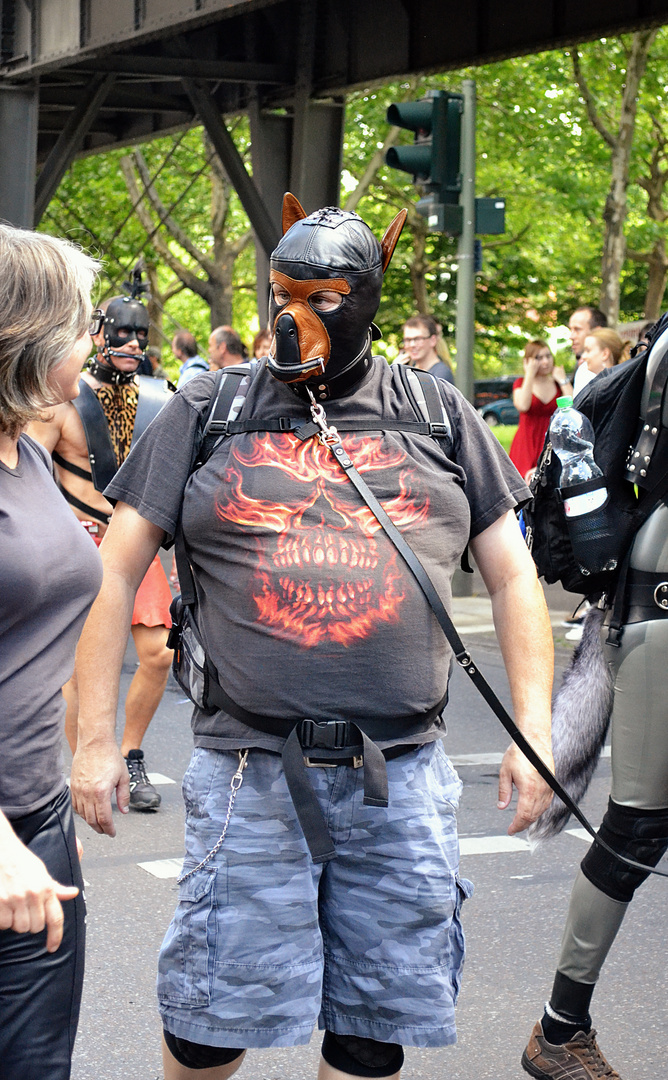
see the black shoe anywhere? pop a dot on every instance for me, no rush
(143, 795)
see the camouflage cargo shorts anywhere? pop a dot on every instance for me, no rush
(264, 944)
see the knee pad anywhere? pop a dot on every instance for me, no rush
(361, 1057)
(196, 1056)
(639, 834)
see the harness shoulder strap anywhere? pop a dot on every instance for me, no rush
(153, 394)
(101, 454)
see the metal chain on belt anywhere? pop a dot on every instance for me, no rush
(235, 783)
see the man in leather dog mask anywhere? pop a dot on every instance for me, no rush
(318, 643)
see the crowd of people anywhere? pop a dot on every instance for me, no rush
(307, 769)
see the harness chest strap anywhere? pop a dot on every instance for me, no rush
(153, 394)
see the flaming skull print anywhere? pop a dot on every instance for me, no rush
(321, 573)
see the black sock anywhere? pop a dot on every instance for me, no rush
(570, 1002)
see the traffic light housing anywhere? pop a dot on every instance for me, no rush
(433, 158)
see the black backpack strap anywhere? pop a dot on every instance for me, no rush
(423, 393)
(224, 402)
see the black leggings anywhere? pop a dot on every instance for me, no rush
(40, 992)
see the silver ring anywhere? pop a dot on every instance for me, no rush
(663, 601)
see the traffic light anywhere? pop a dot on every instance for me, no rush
(433, 159)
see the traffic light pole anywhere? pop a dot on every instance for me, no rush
(462, 584)
(465, 326)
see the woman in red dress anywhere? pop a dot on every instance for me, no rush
(535, 398)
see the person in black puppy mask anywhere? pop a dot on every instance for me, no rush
(321, 867)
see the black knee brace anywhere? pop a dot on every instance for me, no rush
(361, 1057)
(639, 834)
(196, 1056)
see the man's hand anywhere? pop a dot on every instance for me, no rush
(98, 769)
(534, 795)
(29, 897)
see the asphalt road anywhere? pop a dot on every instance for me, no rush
(513, 923)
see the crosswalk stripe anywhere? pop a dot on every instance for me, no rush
(468, 845)
(491, 845)
(162, 868)
(159, 778)
(493, 758)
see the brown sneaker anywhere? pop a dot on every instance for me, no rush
(579, 1059)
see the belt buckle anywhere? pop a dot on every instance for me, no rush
(320, 764)
(358, 761)
(661, 595)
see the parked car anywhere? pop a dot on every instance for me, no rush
(493, 400)
(500, 412)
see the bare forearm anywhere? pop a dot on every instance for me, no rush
(522, 396)
(523, 629)
(100, 658)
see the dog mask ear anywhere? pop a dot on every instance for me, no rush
(292, 211)
(389, 241)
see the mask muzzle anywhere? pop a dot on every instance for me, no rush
(301, 346)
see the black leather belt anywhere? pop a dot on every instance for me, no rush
(646, 596)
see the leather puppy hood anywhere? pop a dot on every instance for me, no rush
(329, 250)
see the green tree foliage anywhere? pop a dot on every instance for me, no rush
(536, 146)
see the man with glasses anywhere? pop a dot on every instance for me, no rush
(89, 439)
(421, 336)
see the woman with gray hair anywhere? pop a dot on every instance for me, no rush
(50, 573)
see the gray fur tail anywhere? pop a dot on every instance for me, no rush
(580, 720)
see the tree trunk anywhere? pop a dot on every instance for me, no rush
(620, 143)
(418, 268)
(614, 214)
(656, 280)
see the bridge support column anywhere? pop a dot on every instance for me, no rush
(18, 139)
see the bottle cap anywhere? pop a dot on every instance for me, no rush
(564, 402)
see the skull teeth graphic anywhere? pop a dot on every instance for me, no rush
(320, 573)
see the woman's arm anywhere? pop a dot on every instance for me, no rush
(522, 396)
(29, 897)
(98, 769)
(565, 385)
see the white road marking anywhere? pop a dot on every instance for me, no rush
(475, 759)
(159, 778)
(163, 868)
(494, 759)
(581, 834)
(468, 845)
(491, 845)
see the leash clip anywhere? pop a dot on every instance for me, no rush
(327, 435)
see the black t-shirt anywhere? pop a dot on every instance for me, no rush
(305, 606)
(50, 573)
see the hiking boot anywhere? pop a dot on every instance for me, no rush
(579, 1059)
(143, 795)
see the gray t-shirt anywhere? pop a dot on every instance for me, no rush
(50, 573)
(305, 606)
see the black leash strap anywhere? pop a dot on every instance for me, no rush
(329, 437)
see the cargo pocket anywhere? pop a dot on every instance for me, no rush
(188, 951)
(464, 890)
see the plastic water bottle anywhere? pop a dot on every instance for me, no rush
(572, 438)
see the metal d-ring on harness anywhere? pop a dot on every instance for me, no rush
(235, 783)
(330, 438)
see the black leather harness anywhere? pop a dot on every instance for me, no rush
(153, 394)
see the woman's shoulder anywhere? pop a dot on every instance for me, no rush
(35, 451)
